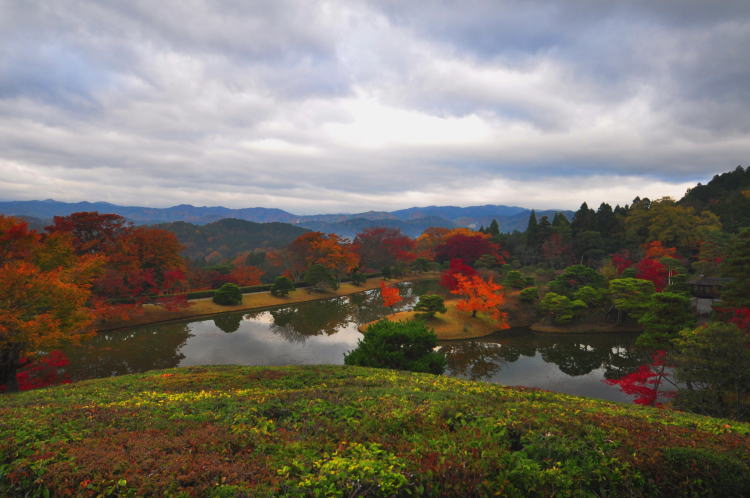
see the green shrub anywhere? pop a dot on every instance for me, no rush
(589, 295)
(421, 264)
(574, 277)
(561, 309)
(228, 295)
(713, 361)
(318, 278)
(282, 287)
(515, 279)
(428, 305)
(358, 278)
(529, 295)
(398, 345)
(700, 472)
(354, 470)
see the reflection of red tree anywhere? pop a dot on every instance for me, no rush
(390, 295)
(45, 371)
(645, 382)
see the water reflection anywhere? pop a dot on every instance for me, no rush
(322, 332)
(132, 351)
(572, 363)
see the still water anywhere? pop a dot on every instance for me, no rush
(321, 332)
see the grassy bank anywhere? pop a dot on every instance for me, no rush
(451, 325)
(319, 430)
(153, 313)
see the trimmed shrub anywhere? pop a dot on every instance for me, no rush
(282, 287)
(529, 295)
(398, 345)
(574, 277)
(318, 278)
(228, 295)
(561, 309)
(358, 278)
(429, 304)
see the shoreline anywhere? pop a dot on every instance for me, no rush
(254, 301)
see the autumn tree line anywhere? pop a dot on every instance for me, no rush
(628, 265)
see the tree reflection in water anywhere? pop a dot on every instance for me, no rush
(295, 323)
(123, 352)
(574, 354)
(285, 335)
(228, 322)
(473, 359)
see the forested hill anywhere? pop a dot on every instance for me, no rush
(726, 195)
(224, 239)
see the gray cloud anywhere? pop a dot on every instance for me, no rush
(363, 105)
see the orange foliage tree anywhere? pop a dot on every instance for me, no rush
(432, 237)
(245, 275)
(44, 294)
(480, 296)
(336, 254)
(655, 250)
(390, 295)
(379, 247)
(141, 262)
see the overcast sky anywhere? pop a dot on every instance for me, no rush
(347, 106)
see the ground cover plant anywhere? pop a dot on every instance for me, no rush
(341, 430)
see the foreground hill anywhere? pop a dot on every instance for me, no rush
(332, 430)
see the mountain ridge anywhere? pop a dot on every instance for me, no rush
(411, 220)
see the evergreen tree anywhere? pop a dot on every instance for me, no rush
(494, 228)
(583, 220)
(736, 294)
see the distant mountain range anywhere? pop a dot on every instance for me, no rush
(411, 221)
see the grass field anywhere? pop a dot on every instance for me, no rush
(346, 431)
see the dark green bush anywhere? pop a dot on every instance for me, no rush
(358, 278)
(398, 345)
(574, 277)
(515, 279)
(529, 295)
(228, 295)
(429, 304)
(282, 287)
(318, 277)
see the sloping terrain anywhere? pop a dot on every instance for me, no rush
(334, 430)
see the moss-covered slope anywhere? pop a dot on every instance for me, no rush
(236, 431)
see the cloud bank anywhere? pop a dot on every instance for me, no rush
(341, 106)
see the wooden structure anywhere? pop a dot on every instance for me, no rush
(707, 287)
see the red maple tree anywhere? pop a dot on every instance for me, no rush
(457, 267)
(480, 296)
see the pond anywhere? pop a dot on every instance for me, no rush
(321, 332)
